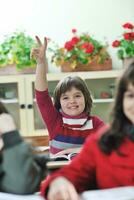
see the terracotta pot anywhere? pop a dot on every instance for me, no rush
(12, 70)
(93, 66)
(127, 61)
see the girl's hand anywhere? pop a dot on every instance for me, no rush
(39, 53)
(62, 189)
(6, 123)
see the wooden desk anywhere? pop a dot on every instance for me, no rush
(56, 164)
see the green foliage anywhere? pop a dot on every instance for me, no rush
(125, 44)
(15, 49)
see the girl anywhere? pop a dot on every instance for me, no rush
(68, 121)
(107, 157)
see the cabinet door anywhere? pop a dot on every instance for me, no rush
(12, 94)
(36, 126)
(103, 96)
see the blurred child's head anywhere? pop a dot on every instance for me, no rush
(69, 87)
(122, 124)
(2, 108)
(124, 102)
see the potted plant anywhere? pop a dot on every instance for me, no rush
(125, 44)
(81, 53)
(15, 52)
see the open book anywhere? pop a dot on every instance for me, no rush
(58, 161)
(66, 157)
(119, 193)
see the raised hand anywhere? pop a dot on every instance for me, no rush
(39, 53)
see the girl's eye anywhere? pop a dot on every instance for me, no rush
(78, 95)
(64, 98)
(129, 95)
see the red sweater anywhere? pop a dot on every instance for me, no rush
(65, 131)
(92, 164)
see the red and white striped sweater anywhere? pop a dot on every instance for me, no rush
(65, 131)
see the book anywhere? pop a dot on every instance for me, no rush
(119, 193)
(59, 160)
(8, 196)
(63, 157)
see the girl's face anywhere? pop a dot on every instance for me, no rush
(128, 103)
(72, 102)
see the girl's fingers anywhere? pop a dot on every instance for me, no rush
(45, 42)
(33, 52)
(38, 40)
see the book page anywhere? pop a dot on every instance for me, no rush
(62, 157)
(120, 193)
(7, 196)
(59, 157)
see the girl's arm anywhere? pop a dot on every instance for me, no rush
(39, 54)
(80, 172)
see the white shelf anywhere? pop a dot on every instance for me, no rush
(8, 101)
(98, 100)
(86, 75)
(103, 100)
(58, 76)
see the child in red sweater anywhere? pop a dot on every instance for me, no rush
(107, 157)
(68, 121)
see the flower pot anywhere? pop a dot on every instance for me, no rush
(93, 66)
(127, 61)
(12, 70)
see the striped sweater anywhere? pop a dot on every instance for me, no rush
(65, 131)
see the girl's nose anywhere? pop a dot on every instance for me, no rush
(72, 100)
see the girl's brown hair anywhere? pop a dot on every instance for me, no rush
(120, 124)
(66, 84)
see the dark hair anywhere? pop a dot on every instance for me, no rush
(120, 124)
(2, 108)
(66, 84)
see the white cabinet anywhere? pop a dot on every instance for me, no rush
(17, 92)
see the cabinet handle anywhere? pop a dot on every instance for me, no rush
(22, 106)
(30, 106)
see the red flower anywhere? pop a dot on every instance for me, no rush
(69, 46)
(132, 35)
(74, 30)
(128, 25)
(80, 49)
(116, 43)
(127, 36)
(90, 48)
(85, 45)
(75, 40)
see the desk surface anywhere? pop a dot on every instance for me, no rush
(6, 196)
(119, 193)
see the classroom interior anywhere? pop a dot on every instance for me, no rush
(55, 19)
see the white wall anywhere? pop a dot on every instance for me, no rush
(56, 18)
